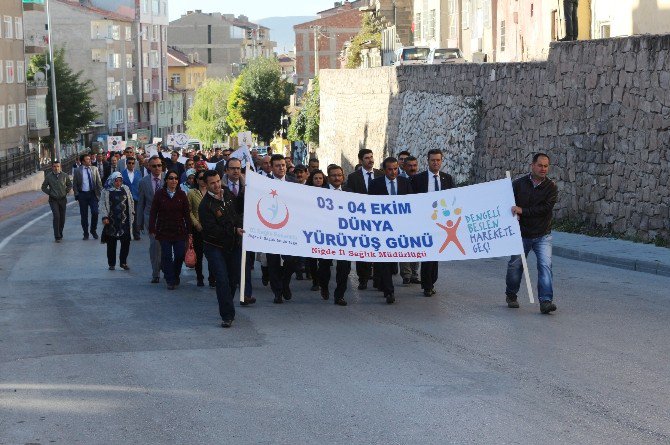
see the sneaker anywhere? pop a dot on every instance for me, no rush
(547, 306)
(406, 281)
(512, 301)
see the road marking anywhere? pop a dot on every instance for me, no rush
(25, 226)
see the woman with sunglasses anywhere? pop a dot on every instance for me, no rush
(194, 198)
(170, 223)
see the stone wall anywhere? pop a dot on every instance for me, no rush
(600, 109)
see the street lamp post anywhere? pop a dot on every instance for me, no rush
(53, 89)
(124, 89)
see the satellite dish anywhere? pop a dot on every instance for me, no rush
(39, 76)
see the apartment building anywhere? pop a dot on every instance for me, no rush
(223, 42)
(186, 74)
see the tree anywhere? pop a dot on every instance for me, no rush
(75, 104)
(264, 96)
(305, 123)
(371, 33)
(207, 118)
(234, 119)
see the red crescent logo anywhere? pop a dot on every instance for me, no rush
(267, 223)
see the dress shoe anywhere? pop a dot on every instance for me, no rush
(288, 294)
(200, 283)
(111, 267)
(325, 294)
(212, 284)
(125, 267)
(226, 323)
(171, 287)
(85, 237)
(264, 281)
(414, 281)
(155, 280)
(511, 301)
(427, 293)
(247, 301)
(298, 276)
(362, 285)
(58, 240)
(390, 299)
(547, 306)
(565, 39)
(278, 299)
(315, 287)
(406, 281)
(94, 234)
(340, 302)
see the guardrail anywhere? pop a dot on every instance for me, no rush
(18, 166)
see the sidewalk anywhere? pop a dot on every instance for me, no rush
(21, 202)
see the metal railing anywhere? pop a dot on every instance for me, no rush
(18, 166)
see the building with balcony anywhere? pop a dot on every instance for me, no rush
(223, 42)
(186, 75)
(13, 103)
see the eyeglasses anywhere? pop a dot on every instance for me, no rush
(130, 163)
(172, 178)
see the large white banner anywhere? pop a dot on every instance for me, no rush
(458, 224)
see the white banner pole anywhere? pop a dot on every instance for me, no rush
(529, 285)
(243, 263)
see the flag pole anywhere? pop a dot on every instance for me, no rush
(243, 262)
(524, 262)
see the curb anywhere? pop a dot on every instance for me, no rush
(652, 267)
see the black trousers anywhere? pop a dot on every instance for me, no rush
(111, 250)
(313, 267)
(384, 273)
(364, 271)
(342, 270)
(280, 275)
(571, 21)
(428, 274)
(88, 200)
(197, 246)
(136, 226)
(58, 207)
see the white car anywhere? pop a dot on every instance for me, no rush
(445, 55)
(412, 55)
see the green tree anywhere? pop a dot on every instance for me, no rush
(207, 116)
(75, 104)
(234, 120)
(305, 123)
(264, 96)
(370, 33)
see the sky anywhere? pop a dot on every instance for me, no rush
(254, 9)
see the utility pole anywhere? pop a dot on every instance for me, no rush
(54, 101)
(317, 30)
(124, 89)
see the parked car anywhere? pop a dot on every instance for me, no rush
(445, 55)
(412, 55)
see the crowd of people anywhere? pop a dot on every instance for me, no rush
(190, 207)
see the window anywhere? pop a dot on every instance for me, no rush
(155, 30)
(145, 32)
(145, 60)
(113, 60)
(2, 116)
(155, 7)
(9, 71)
(161, 107)
(20, 71)
(1, 71)
(153, 59)
(119, 115)
(145, 6)
(97, 55)
(129, 87)
(502, 36)
(110, 88)
(18, 28)
(11, 116)
(117, 89)
(487, 14)
(22, 115)
(165, 10)
(466, 14)
(176, 79)
(164, 29)
(147, 86)
(114, 32)
(417, 26)
(9, 31)
(453, 19)
(131, 115)
(129, 60)
(430, 26)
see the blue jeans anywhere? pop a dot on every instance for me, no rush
(542, 248)
(172, 257)
(223, 265)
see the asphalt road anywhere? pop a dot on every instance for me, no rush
(93, 356)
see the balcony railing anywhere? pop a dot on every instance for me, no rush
(37, 84)
(35, 125)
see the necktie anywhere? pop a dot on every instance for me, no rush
(235, 188)
(90, 181)
(367, 186)
(393, 191)
(157, 184)
(437, 184)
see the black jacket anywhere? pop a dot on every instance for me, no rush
(537, 204)
(378, 186)
(219, 219)
(355, 181)
(421, 181)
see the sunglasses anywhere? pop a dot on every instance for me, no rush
(172, 178)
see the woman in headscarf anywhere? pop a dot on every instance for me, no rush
(117, 210)
(189, 183)
(170, 223)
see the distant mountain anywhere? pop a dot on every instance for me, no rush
(281, 30)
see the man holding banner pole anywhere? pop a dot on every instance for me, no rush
(535, 196)
(389, 184)
(432, 180)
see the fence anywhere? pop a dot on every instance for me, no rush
(18, 166)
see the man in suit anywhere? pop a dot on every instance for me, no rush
(409, 271)
(131, 178)
(358, 182)
(109, 167)
(87, 187)
(343, 268)
(389, 184)
(173, 163)
(127, 152)
(280, 275)
(266, 166)
(432, 180)
(147, 188)
(99, 163)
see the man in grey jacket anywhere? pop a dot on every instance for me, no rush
(148, 187)
(57, 185)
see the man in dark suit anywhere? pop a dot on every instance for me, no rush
(343, 268)
(87, 186)
(432, 180)
(173, 163)
(389, 184)
(280, 275)
(358, 182)
(148, 187)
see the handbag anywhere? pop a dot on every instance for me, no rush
(189, 258)
(106, 234)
